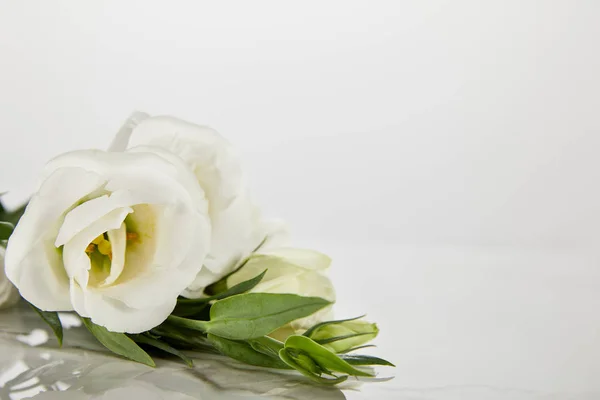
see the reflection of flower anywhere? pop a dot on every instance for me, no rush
(114, 236)
(8, 293)
(237, 226)
(81, 375)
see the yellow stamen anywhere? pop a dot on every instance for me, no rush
(90, 248)
(104, 247)
(98, 240)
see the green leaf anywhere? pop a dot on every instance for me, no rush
(252, 315)
(118, 343)
(243, 352)
(221, 285)
(156, 343)
(314, 328)
(344, 337)
(182, 338)
(183, 309)
(289, 360)
(365, 360)
(240, 288)
(356, 348)
(322, 356)
(6, 229)
(53, 321)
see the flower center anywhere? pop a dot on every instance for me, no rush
(100, 253)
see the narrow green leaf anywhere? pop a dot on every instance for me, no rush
(252, 315)
(365, 360)
(154, 342)
(182, 338)
(338, 338)
(356, 348)
(321, 355)
(53, 321)
(243, 352)
(118, 343)
(312, 330)
(221, 285)
(266, 345)
(6, 229)
(188, 309)
(240, 288)
(289, 360)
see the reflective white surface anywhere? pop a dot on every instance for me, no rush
(459, 323)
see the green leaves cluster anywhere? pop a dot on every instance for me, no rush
(236, 323)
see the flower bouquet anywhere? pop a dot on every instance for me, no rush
(158, 247)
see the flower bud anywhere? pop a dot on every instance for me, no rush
(350, 333)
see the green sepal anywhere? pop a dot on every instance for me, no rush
(53, 321)
(338, 338)
(289, 360)
(245, 353)
(322, 356)
(356, 348)
(158, 344)
(314, 328)
(365, 360)
(119, 343)
(266, 345)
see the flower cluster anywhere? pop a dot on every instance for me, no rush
(157, 243)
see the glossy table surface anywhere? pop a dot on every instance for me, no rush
(459, 323)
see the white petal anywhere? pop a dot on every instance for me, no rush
(83, 215)
(121, 140)
(117, 316)
(33, 264)
(204, 278)
(208, 154)
(304, 258)
(178, 259)
(75, 259)
(275, 233)
(237, 227)
(118, 242)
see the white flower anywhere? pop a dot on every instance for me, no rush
(295, 271)
(114, 236)
(8, 293)
(237, 226)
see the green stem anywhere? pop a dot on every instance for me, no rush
(188, 323)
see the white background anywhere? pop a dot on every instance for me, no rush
(440, 121)
(371, 127)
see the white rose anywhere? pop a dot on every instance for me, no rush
(113, 236)
(295, 271)
(8, 293)
(237, 226)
